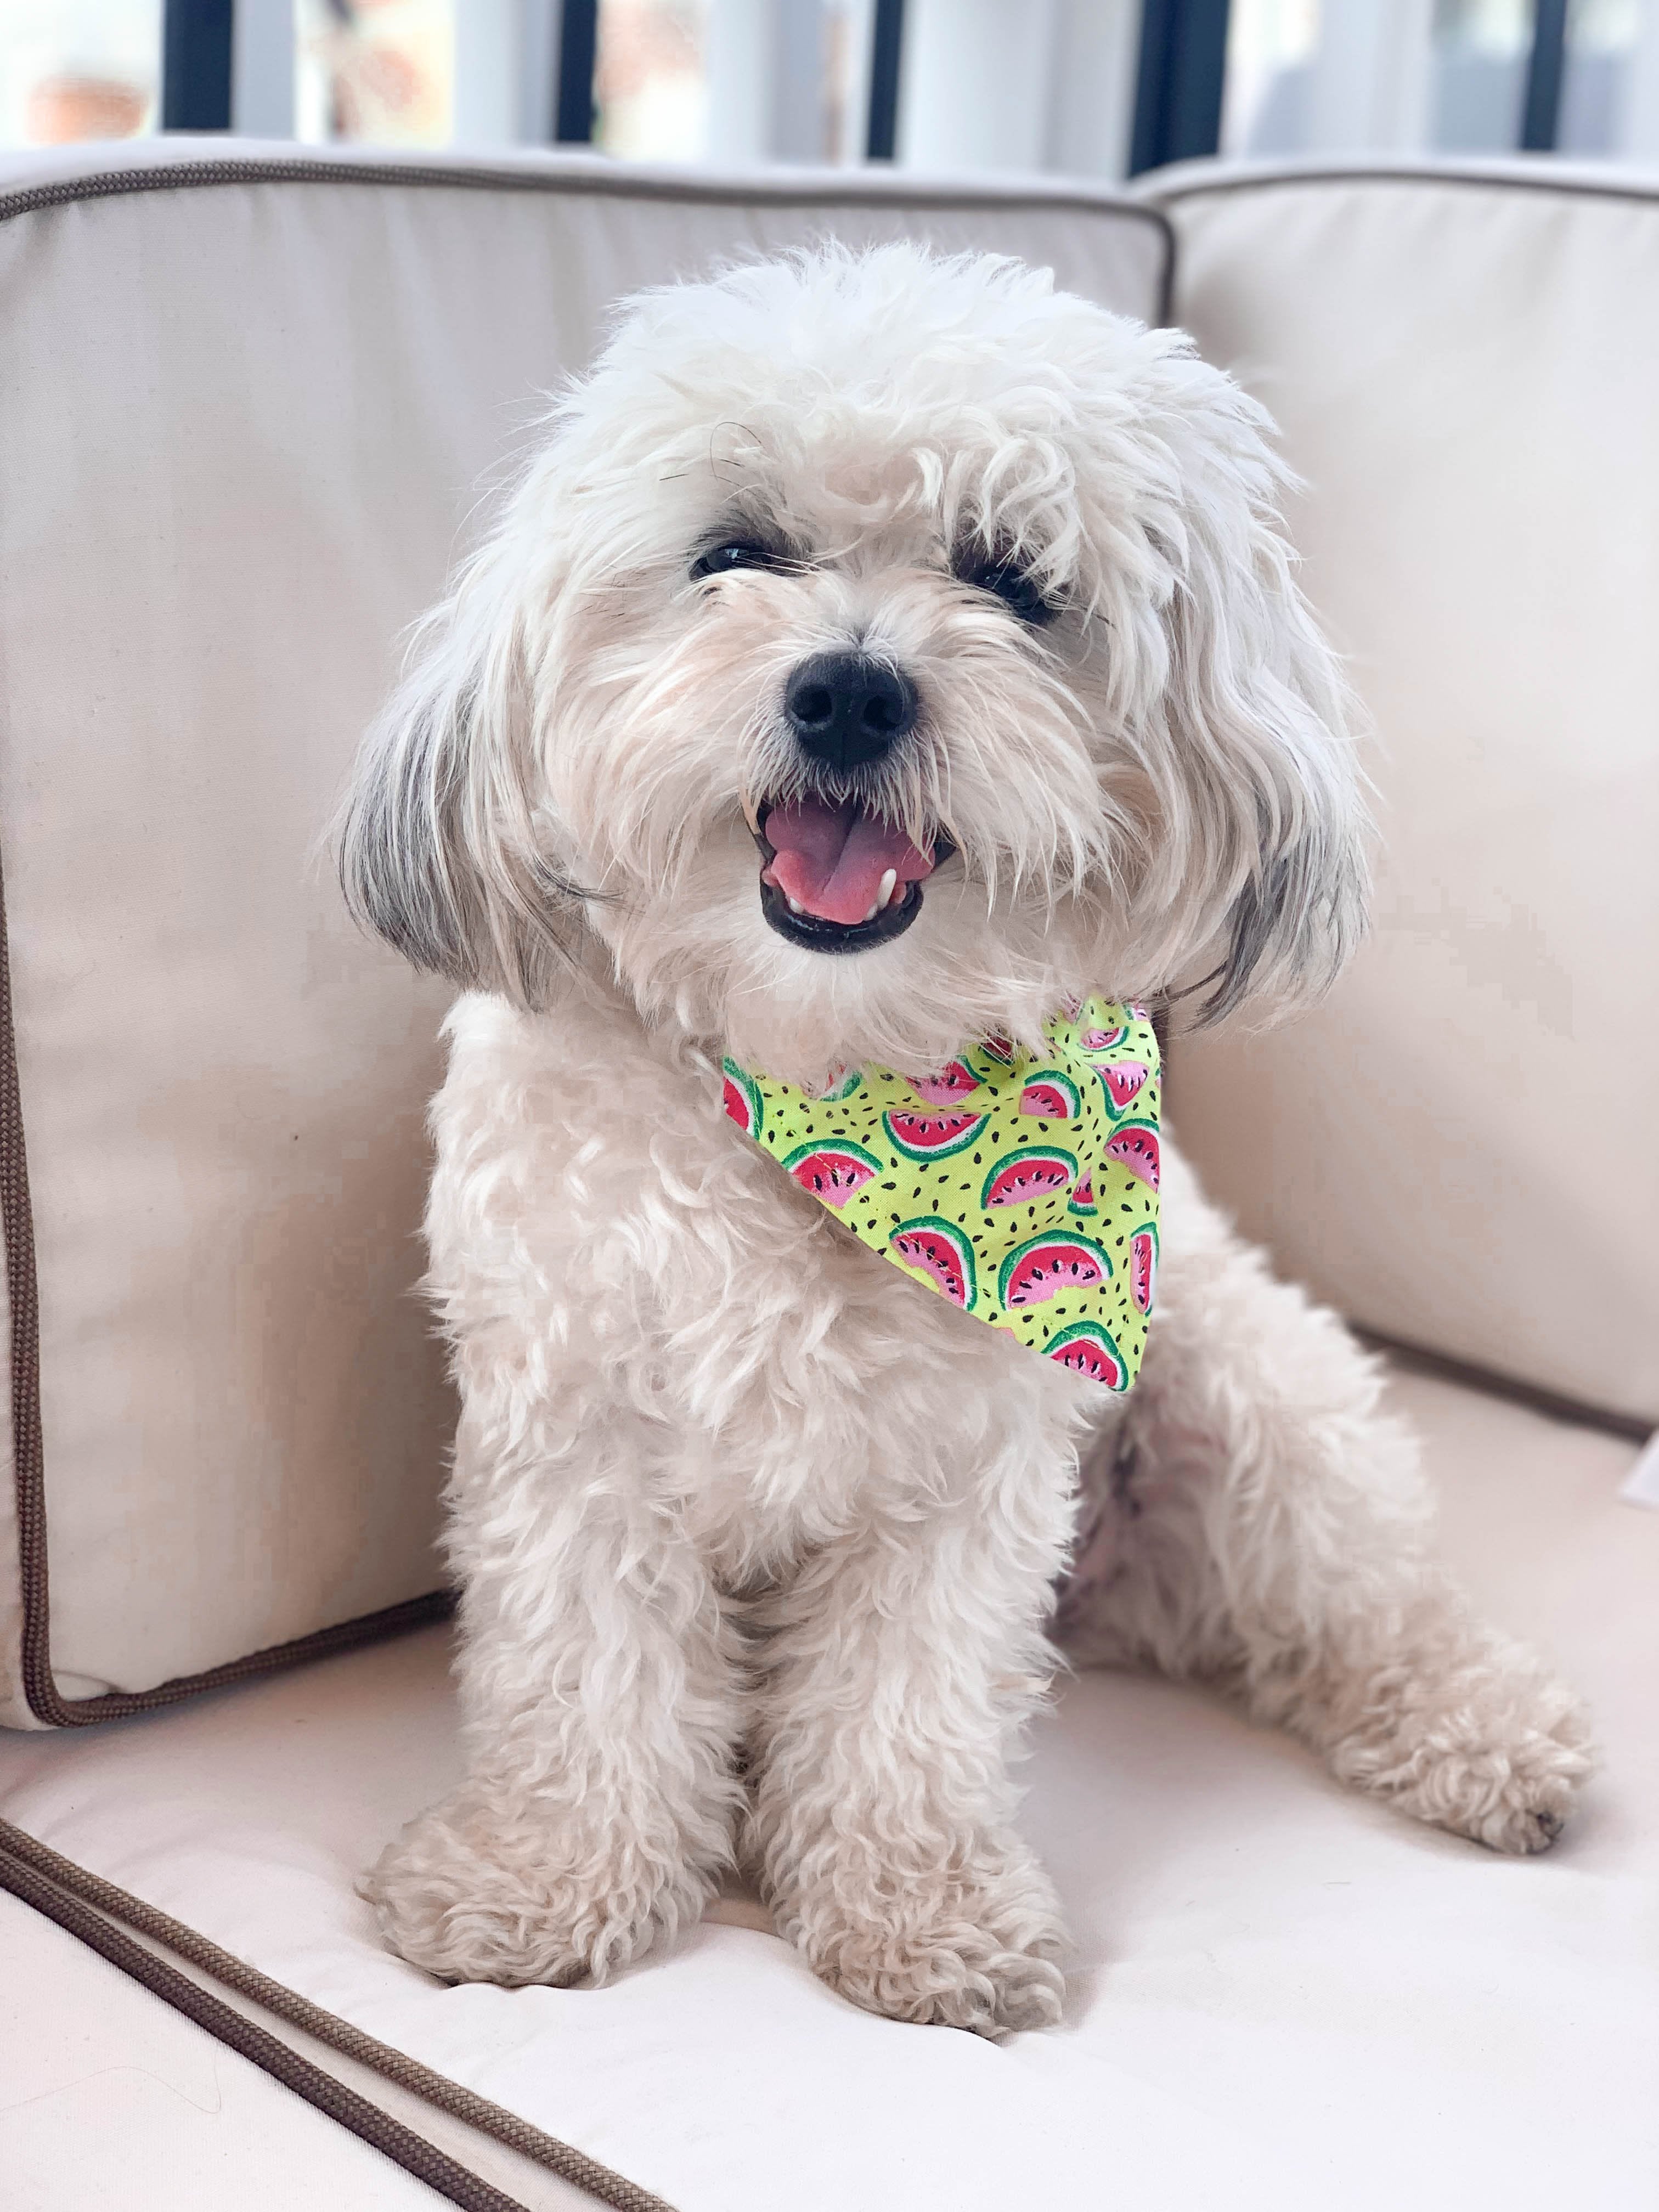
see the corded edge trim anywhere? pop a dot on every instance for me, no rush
(83, 1904)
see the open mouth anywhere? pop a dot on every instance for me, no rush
(836, 877)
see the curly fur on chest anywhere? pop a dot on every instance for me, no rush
(780, 1385)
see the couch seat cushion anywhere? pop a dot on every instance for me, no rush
(1282, 1995)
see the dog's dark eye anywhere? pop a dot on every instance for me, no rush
(1019, 592)
(740, 553)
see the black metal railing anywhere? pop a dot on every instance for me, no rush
(1181, 74)
(197, 47)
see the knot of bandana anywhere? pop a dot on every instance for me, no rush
(1023, 1188)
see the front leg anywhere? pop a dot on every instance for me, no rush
(896, 1672)
(600, 1705)
(1258, 1520)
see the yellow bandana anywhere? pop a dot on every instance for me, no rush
(1023, 1189)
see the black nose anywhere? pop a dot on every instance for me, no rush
(846, 707)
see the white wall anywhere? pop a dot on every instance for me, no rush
(766, 62)
(1047, 84)
(1370, 81)
(506, 62)
(262, 69)
(1091, 110)
(1638, 132)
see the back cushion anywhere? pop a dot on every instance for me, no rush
(1459, 1146)
(249, 406)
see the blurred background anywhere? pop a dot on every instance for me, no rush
(1100, 88)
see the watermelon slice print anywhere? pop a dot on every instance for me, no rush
(945, 1089)
(1143, 1267)
(1093, 1040)
(1046, 1266)
(1135, 1145)
(1124, 1080)
(939, 1251)
(742, 1099)
(844, 1089)
(991, 1057)
(1050, 1096)
(1087, 1349)
(933, 1136)
(1082, 1199)
(833, 1170)
(1034, 1171)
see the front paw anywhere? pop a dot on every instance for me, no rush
(1492, 1749)
(484, 1888)
(970, 1945)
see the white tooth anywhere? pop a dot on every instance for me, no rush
(873, 911)
(888, 885)
(751, 813)
(795, 906)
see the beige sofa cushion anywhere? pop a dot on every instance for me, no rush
(249, 403)
(1459, 1146)
(1283, 1997)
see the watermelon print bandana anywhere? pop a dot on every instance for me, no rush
(1024, 1188)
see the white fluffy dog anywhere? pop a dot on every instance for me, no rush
(759, 1540)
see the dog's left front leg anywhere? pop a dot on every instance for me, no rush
(898, 1668)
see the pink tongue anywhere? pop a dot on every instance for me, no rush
(830, 859)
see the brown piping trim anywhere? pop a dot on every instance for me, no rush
(255, 2044)
(39, 1687)
(1551, 1402)
(114, 1704)
(18, 1233)
(1563, 187)
(95, 1896)
(115, 183)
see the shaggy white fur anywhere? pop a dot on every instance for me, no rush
(758, 1539)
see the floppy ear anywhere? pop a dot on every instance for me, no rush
(1259, 714)
(437, 850)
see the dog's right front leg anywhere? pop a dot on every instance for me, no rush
(601, 1710)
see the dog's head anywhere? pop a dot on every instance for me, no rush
(881, 648)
